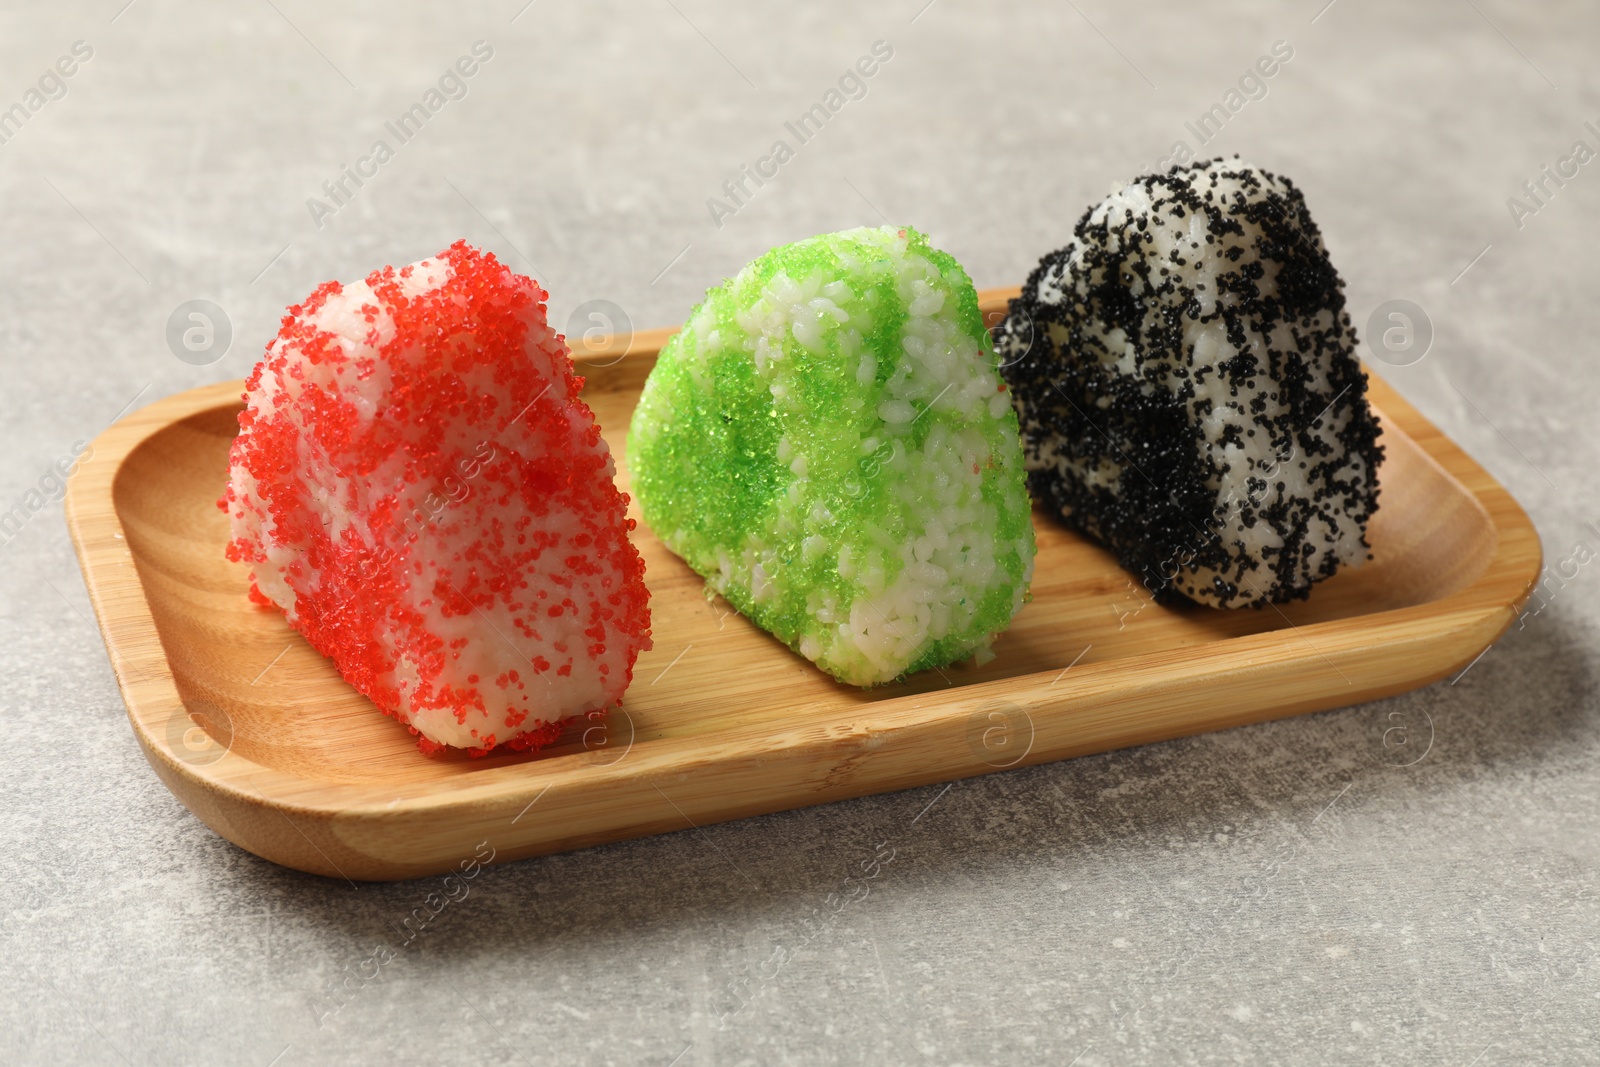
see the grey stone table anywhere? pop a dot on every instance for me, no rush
(1286, 893)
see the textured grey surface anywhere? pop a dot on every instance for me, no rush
(1279, 894)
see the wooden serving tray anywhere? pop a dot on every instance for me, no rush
(262, 739)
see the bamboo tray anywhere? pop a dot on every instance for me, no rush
(259, 736)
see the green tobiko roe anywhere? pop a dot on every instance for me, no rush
(828, 441)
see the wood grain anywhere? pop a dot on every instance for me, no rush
(262, 739)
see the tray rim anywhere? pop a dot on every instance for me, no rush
(1436, 638)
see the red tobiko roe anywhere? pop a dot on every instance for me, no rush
(418, 486)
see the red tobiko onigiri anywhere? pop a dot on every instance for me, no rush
(419, 488)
